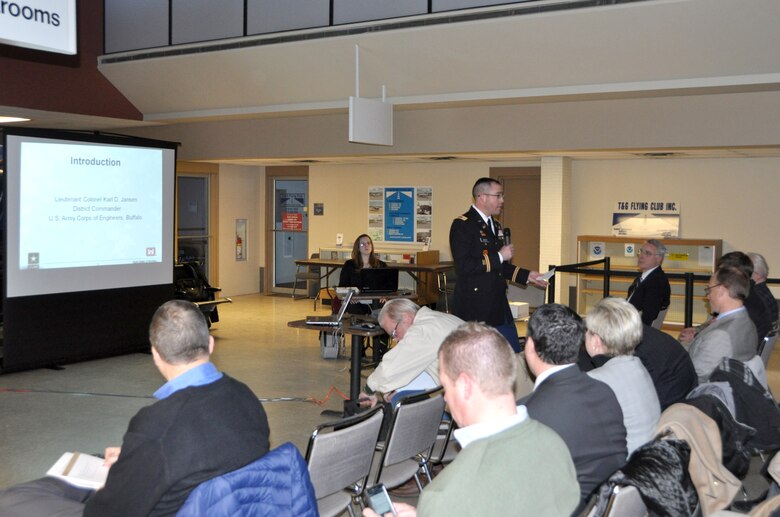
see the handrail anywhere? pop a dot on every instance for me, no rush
(607, 273)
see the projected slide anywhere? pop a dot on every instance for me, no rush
(88, 205)
(87, 213)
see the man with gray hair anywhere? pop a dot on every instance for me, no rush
(411, 365)
(761, 303)
(510, 464)
(650, 292)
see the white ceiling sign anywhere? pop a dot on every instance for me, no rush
(48, 25)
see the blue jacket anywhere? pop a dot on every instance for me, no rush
(277, 484)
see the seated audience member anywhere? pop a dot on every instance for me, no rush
(761, 303)
(665, 359)
(730, 334)
(668, 364)
(614, 330)
(510, 464)
(204, 424)
(362, 257)
(650, 292)
(412, 364)
(582, 410)
(759, 306)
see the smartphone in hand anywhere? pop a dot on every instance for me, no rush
(378, 500)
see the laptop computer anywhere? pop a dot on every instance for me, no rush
(333, 320)
(378, 280)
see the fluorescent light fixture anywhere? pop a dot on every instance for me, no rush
(10, 120)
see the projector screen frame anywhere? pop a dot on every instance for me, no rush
(63, 327)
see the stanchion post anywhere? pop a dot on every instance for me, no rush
(551, 287)
(688, 300)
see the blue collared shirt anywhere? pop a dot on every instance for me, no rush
(198, 376)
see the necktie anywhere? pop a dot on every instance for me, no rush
(633, 286)
(490, 225)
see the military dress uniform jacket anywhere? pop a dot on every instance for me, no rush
(480, 287)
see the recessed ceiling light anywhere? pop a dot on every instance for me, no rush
(9, 120)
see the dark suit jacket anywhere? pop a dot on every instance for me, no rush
(480, 288)
(586, 414)
(669, 366)
(650, 296)
(762, 308)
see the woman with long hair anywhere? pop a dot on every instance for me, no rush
(362, 257)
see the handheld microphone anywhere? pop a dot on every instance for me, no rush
(507, 237)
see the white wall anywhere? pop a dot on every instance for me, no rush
(241, 196)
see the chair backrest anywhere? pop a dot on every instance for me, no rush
(443, 450)
(413, 430)
(767, 345)
(625, 502)
(757, 366)
(340, 453)
(658, 322)
(275, 484)
(315, 269)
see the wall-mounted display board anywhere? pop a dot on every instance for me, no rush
(400, 214)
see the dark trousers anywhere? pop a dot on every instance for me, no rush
(44, 497)
(509, 331)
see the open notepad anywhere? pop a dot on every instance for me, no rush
(80, 469)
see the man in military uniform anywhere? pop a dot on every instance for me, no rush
(482, 263)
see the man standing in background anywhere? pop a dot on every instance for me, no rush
(482, 263)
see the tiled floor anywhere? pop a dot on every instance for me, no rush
(86, 406)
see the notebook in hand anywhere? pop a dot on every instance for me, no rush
(378, 280)
(333, 320)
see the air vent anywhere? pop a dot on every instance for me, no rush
(306, 161)
(442, 158)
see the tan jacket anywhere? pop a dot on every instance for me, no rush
(715, 485)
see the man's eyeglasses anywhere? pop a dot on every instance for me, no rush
(394, 333)
(646, 253)
(500, 195)
(710, 288)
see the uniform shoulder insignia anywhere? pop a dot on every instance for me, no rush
(462, 218)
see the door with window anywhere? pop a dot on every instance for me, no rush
(290, 231)
(192, 229)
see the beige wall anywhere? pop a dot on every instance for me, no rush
(344, 191)
(241, 196)
(730, 199)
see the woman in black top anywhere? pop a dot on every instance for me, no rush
(362, 257)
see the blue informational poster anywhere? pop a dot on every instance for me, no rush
(399, 214)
